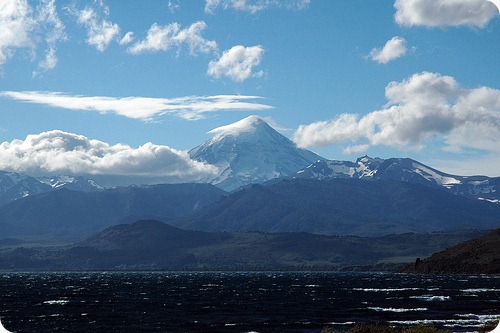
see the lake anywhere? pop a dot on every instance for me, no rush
(242, 302)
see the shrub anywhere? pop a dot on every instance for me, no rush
(488, 327)
(385, 329)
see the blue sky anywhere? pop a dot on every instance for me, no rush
(127, 87)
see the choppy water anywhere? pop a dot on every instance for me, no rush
(241, 302)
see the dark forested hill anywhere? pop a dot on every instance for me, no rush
(477, 256)
(153, 245)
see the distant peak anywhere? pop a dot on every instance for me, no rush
(366, 159)
(247, 125)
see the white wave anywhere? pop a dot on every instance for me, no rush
(344, 323)
(482, 318)
(384, 289)
(479, 290)
(470, 320)
(431, 298)
(396, 309)
(59, 301)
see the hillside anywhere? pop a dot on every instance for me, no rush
(477, 256)
(342, 207)
(153, 245)
(69, 215)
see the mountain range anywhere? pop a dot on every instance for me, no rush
(404, 170)
(265, 183)
(251, 151)
(342, 207)
(15, 185)
(66, 214)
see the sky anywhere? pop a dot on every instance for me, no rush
(127, 88)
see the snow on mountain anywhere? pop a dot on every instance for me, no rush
(15, 185)
(250, 151)
(77, 183)
(406, 170)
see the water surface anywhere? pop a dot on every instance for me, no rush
(241, 302)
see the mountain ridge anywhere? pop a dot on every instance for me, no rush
(251, 151)
(67, 214)
(340, 207)
(405, 170)
(14, 186)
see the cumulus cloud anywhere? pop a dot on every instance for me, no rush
(127, 39)
(27, 27)
(425, 105)
(255, 5)
(442, 13)
(16, 23)
(143, 108)
(163, 38)
(100, 30)
(237, 63)
(393, 49)
(58, 152)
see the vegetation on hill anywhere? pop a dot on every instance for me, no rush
(387, 329)
(74, 215)
(342, 207)
(477, 256)
(366, 328)
(153, 245)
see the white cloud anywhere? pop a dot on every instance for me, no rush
(144, 108)
(424, 106)
(48, 63)
(25, 27)
(127, 39)
(163, 38)
(173, 6)
(255, 5)
(17, 23)
(236, 63)
(58, 152)
(100, 31)
(47, 13)
(442, 13)
(393, 49)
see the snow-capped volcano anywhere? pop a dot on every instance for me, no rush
(251, 151)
